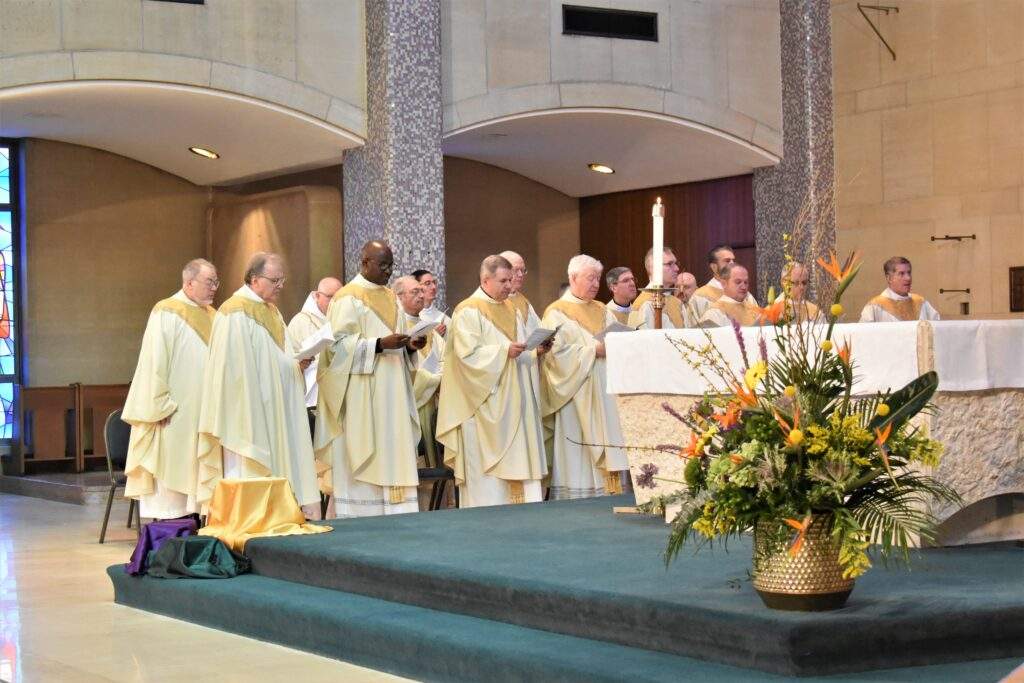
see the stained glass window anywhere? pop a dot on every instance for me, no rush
(8, 358)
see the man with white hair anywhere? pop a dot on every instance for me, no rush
(253, 421)
(578, 408)
(489, 417)
(308, 322)
(528, 316)
(673, 315)
(719, 257)
(733, 304)
(622, 285)
(367, 425)
(795, 279)
(428, 361)
(165, 396)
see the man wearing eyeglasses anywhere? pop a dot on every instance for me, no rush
(165, 395)
(308, 322)
(254, 406)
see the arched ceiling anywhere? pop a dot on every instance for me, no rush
(156, 124)
(646, 150)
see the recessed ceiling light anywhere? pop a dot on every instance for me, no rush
(203, 152)
(600, 168)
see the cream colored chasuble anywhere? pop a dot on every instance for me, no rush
(674, 315)
(711, 292)
(578, 407)
(168, 382)
(726, 309)
(890, 307)
(489, 417)
(425, 382)
(254, 405)
(367, 424)
(301, 327)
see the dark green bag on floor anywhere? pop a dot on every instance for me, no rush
(197, 557)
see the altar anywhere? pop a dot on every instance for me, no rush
(979, 414)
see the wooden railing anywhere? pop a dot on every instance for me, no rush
(59, 428)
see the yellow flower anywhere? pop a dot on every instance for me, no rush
(789, 391)
(882, 410)
(836, 310)
(796, 436)
(755, 373)
(826, 346)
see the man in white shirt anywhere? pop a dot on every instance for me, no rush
(734, 303)
(622, 284)
(896, 302)
(308, 321)
(719, 257)
(430, 312)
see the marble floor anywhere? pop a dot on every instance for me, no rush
(58, 621)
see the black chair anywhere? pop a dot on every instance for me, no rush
(116, 433)
(436, 471)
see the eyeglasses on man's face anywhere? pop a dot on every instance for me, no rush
(211, 283)
(276, 281)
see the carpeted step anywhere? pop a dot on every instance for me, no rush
(438, 646)
(577, 569)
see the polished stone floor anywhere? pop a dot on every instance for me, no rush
(58, 621)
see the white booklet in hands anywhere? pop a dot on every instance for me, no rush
(433, 315)
(422, 328)
(432, 363)
(614, 327)
(315, 343)
(539, 336)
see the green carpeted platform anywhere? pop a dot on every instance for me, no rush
(543, 591)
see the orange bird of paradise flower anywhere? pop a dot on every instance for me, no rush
(786, 429)
(773, 312)
(729, 418)
(691, 450)
(801, 534)
(746, 397)
(881, 436)
(845, 351)
(833, 268)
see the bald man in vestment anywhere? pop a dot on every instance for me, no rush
(528, 316)
(253, 420)
(733, 304)
(489, 415)
(580, 413)
(307, 322)
(367, 424)
(896, 302)
(795, 278)
(165, 396)
(674, 315)
(719, 257)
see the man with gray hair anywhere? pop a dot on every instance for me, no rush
(622, 285)
(253, 421)
(579, 411)
(489, 417)
(896, 302)
(673, 315)
(165, 396)
(527, 315)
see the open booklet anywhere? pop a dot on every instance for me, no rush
(422, 328)
(539, 336)
(614, 327)
(315, 343)
(433, 315)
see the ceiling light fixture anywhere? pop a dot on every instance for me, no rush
(600, 168)
(203, 152)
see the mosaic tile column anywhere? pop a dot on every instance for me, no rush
(807, 168)
(394, 185)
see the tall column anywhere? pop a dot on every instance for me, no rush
(808, 166)
(394, 185)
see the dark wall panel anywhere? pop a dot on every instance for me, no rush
(616, 228)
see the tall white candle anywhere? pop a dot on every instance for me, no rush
(658, 253)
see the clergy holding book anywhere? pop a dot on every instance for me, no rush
(367, 424)
(489, 415)
(308, 323)
(580, 413)
(165, 396)
(896, 302)
(253, 419)
(524, 309)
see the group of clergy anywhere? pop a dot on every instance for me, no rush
(234, 393)
(726, 299)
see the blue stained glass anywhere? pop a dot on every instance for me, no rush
(7, 403)
(5, 175)
(7, 300)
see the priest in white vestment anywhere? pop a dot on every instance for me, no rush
(489, 414)
(674, 315)
(308, 322)
(585, 461)
(719, 257)
(367, 425)
(165, 396)
(734, 303)
(428, 364)
(622, 285)
(686, 285)
(795, 279)
(524, 309)
(430, 312)
(896, 302)
(253, 420)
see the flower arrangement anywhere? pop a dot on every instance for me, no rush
(782, 441)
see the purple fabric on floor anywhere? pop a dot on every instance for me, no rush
(154, 535)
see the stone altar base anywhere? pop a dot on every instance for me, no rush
(568, 591)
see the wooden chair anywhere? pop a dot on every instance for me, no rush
(116, 433)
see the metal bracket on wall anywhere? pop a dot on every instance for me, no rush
(948, 291)
(958, 238)
(885, 9)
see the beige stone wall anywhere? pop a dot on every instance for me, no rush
(488, 210)
(716, 63)
(932, 144)
(304, 54)
(106, 239)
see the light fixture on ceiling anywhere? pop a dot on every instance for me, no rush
(600, 168)
(203, 152)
